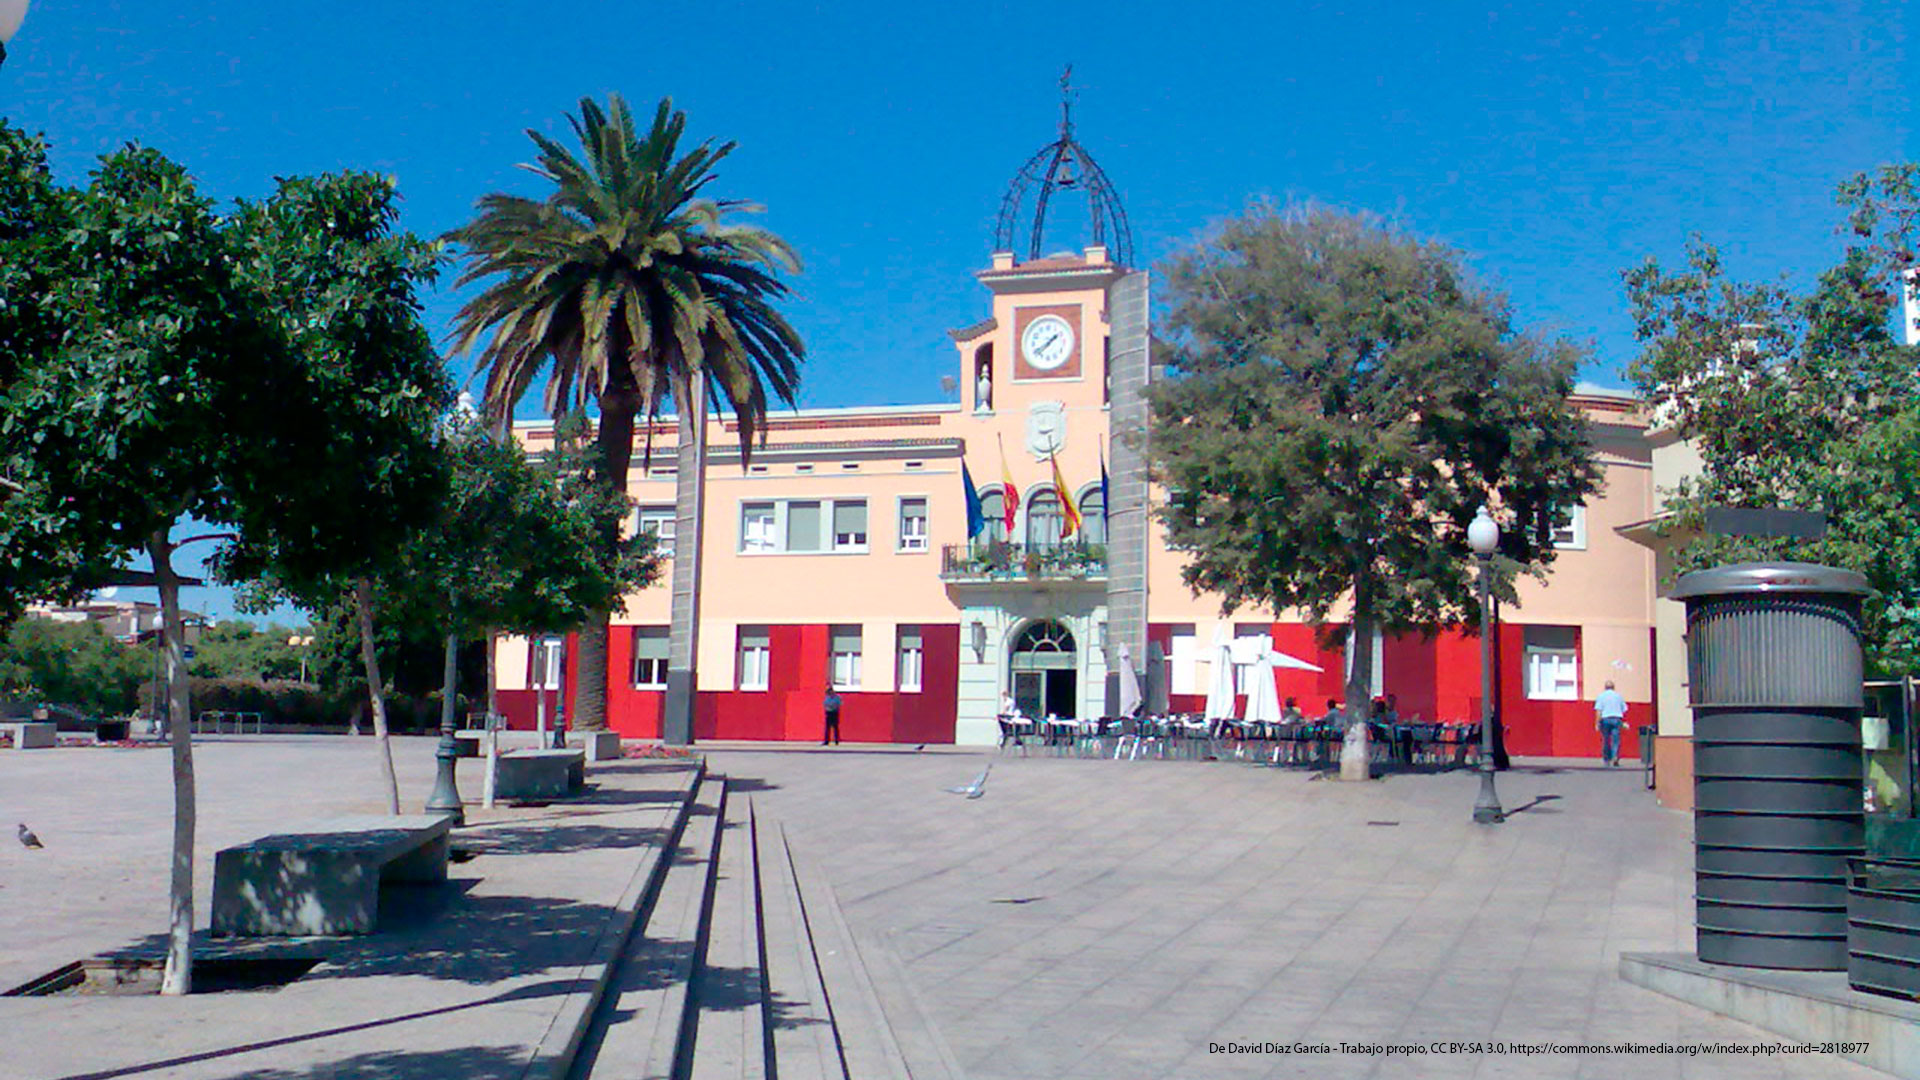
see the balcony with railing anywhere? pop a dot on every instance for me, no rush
(999, 560)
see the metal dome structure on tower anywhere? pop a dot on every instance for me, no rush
(1063, 166)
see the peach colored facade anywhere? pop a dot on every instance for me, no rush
(840, 557)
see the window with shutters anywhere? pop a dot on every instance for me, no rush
(649, 657)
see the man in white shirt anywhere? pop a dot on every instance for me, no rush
(1609, 715)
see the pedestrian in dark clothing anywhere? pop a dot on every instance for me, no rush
(833, 720)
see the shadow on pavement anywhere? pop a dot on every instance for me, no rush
(447, 1063)
(560, 839)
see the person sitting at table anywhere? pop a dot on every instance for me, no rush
(1290, 712)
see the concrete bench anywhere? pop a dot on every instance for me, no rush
(540, 774)
(29, 734)
(325, 879)
(469, 743)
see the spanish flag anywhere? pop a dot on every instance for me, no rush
(1009, 495)
(1069, 513)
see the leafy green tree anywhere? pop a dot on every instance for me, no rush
(183, 386)
(518, 546)
(237, 649)
(77, 664)
(636, 287)
(1799, 398)
(343, 285)
(1340, 400)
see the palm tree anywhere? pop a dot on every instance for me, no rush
(637, 290)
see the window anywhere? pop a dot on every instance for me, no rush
(1043, 519)
(1571, 531)
(844, 657)
(915, 466)
(913, 524)
(850, 526)
(1093, 516)
(803, 468)
(1185, 656)
(548, 663)
(849, 466)
(1553, 663)
(1249, 640)
(803, 526)
(756, 654)
(911, 665)
(756, 527)
(663, 523)
(650, 656)
(993, 506)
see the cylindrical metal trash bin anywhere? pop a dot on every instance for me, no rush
(1773, 658)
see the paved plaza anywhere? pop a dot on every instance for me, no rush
(1085, 918)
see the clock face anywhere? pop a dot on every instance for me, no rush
(1047, 342)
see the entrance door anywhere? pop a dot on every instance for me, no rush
(1061, 699)
(1029, 693)
(1045, 667)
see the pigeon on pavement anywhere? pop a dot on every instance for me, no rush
(27, 838)
(975, 789)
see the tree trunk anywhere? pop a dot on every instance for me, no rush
(1356, 755)
(363, 600)
(690, 497)
(177, 977)
(614, 440)
(493, 678)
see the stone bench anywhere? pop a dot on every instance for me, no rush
(325, 879)
(469, 743)
(29, 734)
(540, 774)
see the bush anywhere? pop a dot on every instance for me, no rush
(284, 701)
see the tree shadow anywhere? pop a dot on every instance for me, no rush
(446, 1058)
(467, 1062)
(470, 939)
(560, 839)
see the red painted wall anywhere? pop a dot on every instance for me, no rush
(1438, 679)
(791, 708)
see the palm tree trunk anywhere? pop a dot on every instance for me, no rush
(690, 498)
(363, 600)
(618, 406)
(177, 977)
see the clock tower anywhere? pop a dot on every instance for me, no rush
(1040, 615)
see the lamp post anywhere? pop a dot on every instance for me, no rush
(1483, 536)
(301, 642)
(11, 12)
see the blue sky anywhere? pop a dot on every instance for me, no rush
(1555, 144)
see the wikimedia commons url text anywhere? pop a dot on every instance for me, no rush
(1500, 1048)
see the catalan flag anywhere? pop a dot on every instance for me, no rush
(1069, 513)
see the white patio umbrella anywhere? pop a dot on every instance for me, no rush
(1263, 698)
(1220, 701)
(1130, 695)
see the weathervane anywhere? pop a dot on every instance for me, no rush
(1064, 165)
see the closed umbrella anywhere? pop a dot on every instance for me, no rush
(1263, 697)
(1220, 700)
(1130, 695)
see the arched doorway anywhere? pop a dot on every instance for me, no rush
(1045, 665)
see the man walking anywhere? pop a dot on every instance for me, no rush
(1610, 714)
(833, 719)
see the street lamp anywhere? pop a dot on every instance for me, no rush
(1483, 536)
(301, 642)
(11, 12)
